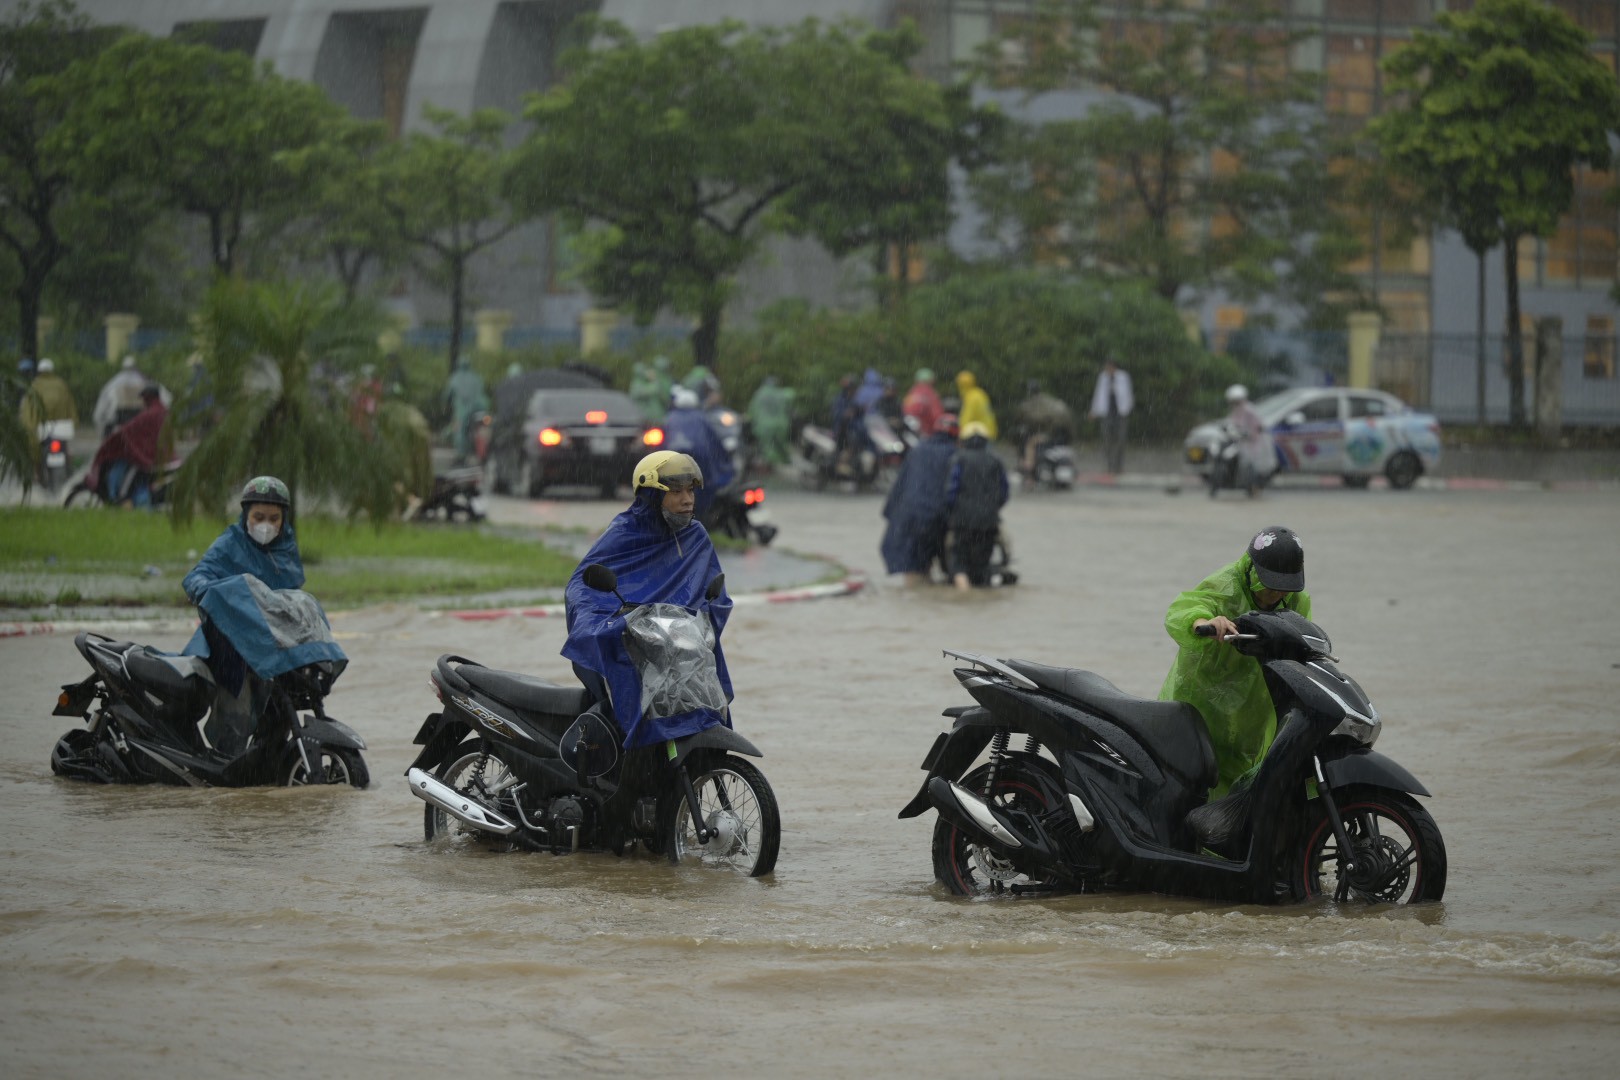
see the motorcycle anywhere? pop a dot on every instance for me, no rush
(94, 488)
(873, 460)
(738, 511)
(519, 762)
(1230, 468)
(1108, 791)
(54, 436)
(1054, 467)
(144, 708)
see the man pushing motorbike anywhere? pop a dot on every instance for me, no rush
(1228, 688)
(660, 555)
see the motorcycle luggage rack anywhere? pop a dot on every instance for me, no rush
(991, 664)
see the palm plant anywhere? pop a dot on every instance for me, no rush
(18, 445)
(274, 360)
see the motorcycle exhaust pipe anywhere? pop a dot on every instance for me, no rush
(457, 805)
(965, 809)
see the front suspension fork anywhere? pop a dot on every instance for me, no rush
(1347, 862)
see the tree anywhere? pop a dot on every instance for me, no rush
(446, 191)
(37, 42)
(1201, 160)
(680, 154)
(1501, 104)
(206, 129)
(273, 358)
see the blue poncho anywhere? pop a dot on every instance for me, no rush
(237, 632)
(654, 565)
(689, 431)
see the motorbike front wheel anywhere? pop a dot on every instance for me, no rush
(970, 869)
(1398, 854)
(736, 803)
(341, 765)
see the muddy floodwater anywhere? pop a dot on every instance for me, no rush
(169, 932)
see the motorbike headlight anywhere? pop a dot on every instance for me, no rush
(1363, 729)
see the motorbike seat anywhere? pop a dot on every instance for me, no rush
(526, 692)
(1173, 731)
(182, 685)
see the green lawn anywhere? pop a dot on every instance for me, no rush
(122, 557)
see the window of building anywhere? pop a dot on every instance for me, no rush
(1598, 361)
(365, 62)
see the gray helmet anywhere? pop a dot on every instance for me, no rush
(266, 489)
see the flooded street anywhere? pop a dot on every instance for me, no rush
(162, 932)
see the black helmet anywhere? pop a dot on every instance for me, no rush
(1278, 558)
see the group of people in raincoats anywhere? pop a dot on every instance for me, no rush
(945, 507)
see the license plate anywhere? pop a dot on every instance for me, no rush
(758, 515)
(54, 460)
(602, 444)
(1064, 474)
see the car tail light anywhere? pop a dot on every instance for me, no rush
(653, 436)
(753, 496)
(596, 416)
(550, 437)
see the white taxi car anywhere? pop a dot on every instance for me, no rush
(1335, 430)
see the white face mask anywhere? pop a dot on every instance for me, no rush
(263, 532)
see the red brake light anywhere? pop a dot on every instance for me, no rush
(596, 416)
(550, 437)
(56, 446)
(753, 496)
(653, 436)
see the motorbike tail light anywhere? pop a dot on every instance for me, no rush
(56, 446)
(550, 437)
(62, 699)
(653, 436)
(596, 416)
(438, 691)
(753, 496)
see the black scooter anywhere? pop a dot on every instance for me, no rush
(144, 708)
(516, 761)
(1108, 791)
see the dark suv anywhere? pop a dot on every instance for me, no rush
(581, 436)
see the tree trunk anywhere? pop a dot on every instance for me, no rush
(28, 313)
(458, 287)
(1515, 340)
(706, 336)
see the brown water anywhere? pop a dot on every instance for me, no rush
(158, 931)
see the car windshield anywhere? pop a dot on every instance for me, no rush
(1277, 406)
(571, 407)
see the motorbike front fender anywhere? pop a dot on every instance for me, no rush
(718, 737)
(1371, 768)
(953, 751)
(329, 732)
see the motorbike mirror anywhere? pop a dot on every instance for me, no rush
(600, 578)
(716, 587)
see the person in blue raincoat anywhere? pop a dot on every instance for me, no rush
(916, 508)
(261, 543)
(687, 430)
(660, 555)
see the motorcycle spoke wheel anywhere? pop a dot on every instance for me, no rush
(737, 805)
(970, 869)
(463, 772)
(342, 766)
(1398, 854)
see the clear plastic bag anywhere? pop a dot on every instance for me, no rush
(292, 616)
(673, 650)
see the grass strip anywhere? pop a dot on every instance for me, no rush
(117, 554)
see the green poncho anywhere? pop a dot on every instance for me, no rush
(1228, 688)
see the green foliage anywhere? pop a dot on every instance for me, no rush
(681, 153)
(274, 360)
(17, 444)
(1206, 165)
(1502, 103)
(1005, 327)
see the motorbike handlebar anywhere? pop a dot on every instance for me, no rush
(1208, 630)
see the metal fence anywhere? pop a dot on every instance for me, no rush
(1441, 373)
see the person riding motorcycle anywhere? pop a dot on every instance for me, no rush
(50, 399)
(129, 454)
(1257, 457)
(1043, 420)
(661, 555)
(260, 545)
(687, 430)
(1227, 687)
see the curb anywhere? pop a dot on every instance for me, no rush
(1183, 481)
(112, 627)
(845, 587)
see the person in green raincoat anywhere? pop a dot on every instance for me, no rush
(648, 391)
(770, 412)
(466, 397)
(1228, 688)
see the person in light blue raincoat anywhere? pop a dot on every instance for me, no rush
(661, 556)
(258, 552)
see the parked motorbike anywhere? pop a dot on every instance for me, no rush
(1108, 792)
(144, 708)
(738, 510)
(520, 762)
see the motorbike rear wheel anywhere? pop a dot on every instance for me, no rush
(341, 765)
(459, 770)
(737, 803)
(82, 497)
(1400, 855)
(969, 869)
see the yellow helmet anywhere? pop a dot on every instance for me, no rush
(663, 468)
